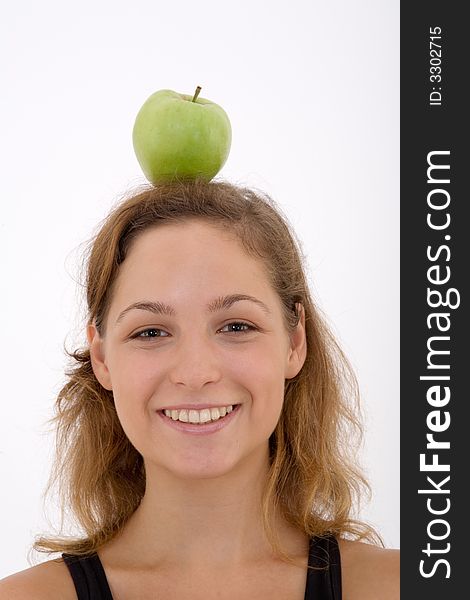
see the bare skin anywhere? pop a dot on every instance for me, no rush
(368, 573)
(198, 531)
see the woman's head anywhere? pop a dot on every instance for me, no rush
(193, 323)
(162, 245)
(251, 218)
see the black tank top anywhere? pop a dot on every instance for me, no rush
(322, 583)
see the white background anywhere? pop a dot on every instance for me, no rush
(312, 92)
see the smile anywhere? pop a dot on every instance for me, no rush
(204, 415)
(201, 427)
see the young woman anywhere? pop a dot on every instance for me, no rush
(205, 431)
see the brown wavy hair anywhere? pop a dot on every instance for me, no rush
(313, 476)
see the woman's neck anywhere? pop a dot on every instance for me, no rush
(200, 522)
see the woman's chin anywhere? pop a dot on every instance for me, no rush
(198, 467)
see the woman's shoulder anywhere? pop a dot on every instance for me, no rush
(369, 572)
(49, 580)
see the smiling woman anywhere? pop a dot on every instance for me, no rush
(205, 434)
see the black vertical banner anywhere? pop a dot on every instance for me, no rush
(435, 269)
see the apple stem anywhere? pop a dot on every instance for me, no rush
(196, 93)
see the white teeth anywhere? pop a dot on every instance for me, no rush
(183, 415)
(193, 416)
(204, 415)
(198, 416)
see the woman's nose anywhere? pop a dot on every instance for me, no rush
(195, 362)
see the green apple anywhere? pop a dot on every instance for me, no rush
(177, 136)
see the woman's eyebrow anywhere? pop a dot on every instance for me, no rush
(220, 303)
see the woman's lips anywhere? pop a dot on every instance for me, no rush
(202, 428)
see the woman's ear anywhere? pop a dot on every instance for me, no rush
(298, 345)
(96, 345)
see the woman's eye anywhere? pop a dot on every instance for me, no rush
(239, 326)
(154, 332)
(149, 333)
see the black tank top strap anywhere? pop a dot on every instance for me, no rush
(88, 576)
(324, 581)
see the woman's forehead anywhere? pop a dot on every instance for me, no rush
(198, 245)
(190, 260)
(193, 228)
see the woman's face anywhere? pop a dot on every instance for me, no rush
(172, 341)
